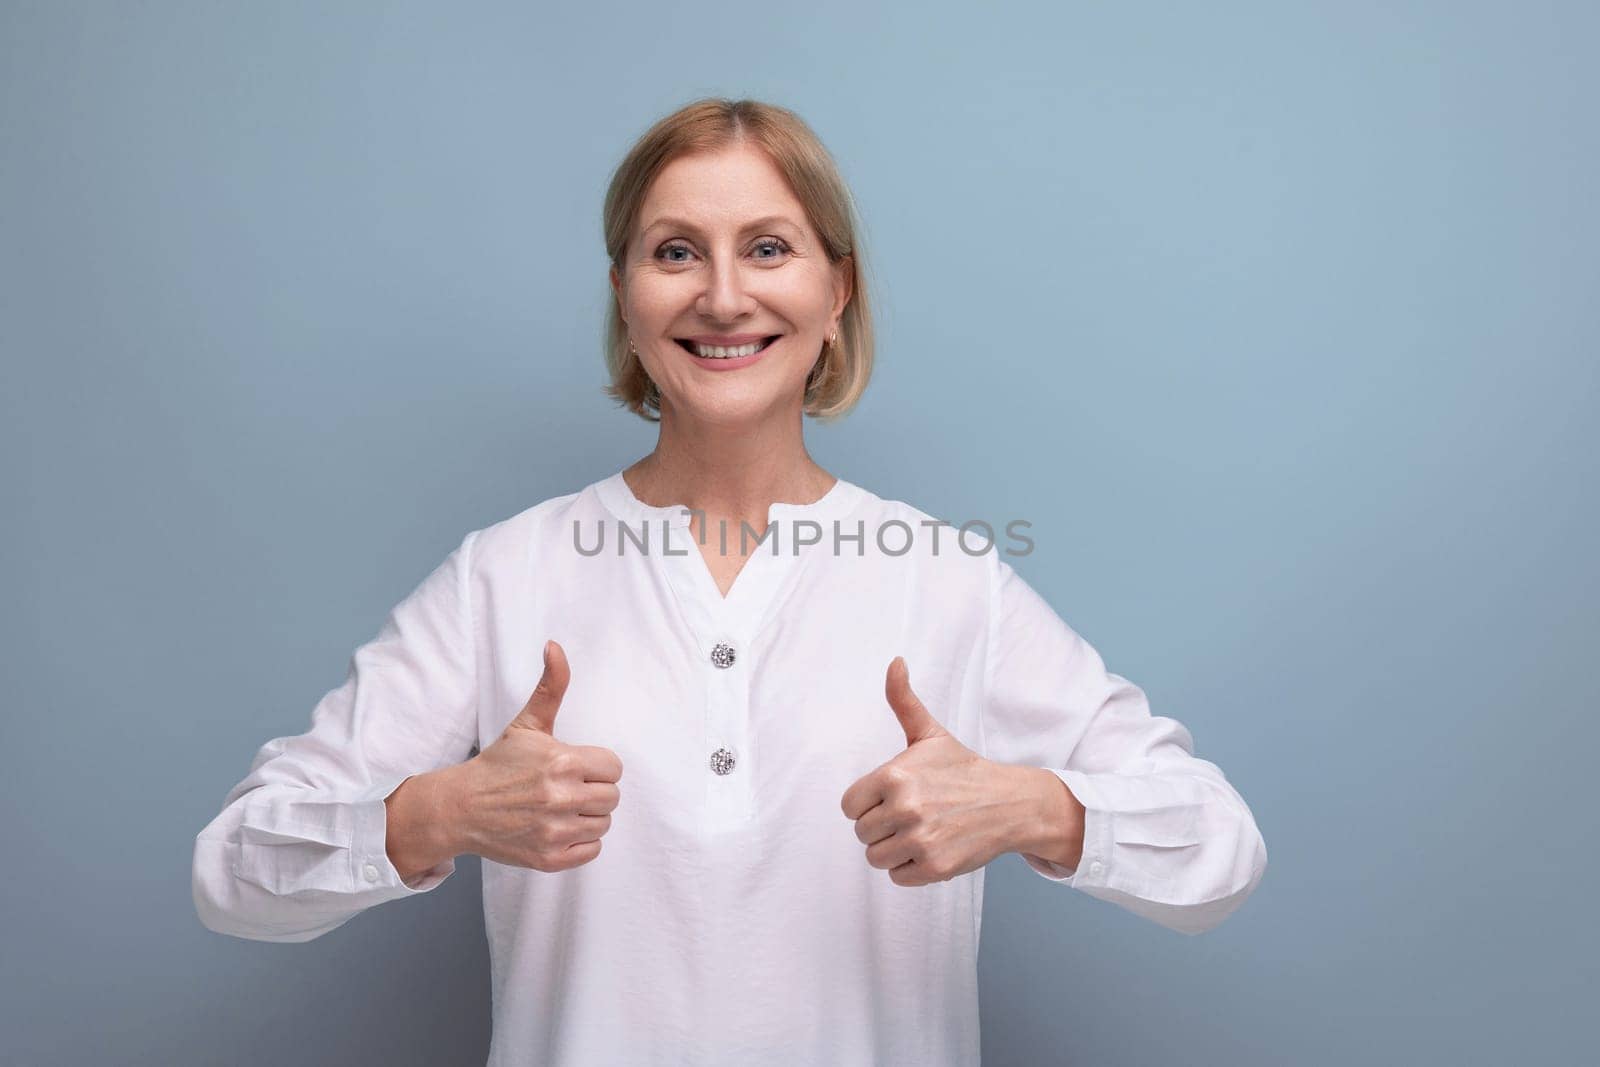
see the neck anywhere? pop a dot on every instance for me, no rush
(732, 472)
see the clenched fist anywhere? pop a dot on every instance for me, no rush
(938, 809)
(529, 800)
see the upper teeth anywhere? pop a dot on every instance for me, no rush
(723, 352)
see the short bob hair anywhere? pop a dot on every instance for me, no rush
(842, 369)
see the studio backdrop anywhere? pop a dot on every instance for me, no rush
(1276, 321)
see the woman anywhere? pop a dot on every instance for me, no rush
(798, 719)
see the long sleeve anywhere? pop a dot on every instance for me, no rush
(300, 845)
(1165, 835)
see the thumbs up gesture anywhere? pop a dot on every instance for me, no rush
(938, 809)
(529, 800)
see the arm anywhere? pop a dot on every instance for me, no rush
(1162, 833)
(301, 844)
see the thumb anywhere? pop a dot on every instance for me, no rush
(918, 722)
(539, 712)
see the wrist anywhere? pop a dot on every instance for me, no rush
(422, 822)
(1058, 822)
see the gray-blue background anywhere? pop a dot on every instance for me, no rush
(1278, 320)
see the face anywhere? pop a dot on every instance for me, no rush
(726, 290)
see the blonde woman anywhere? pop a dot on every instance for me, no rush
(746, 733)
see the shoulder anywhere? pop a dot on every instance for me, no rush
(961, 555)
(516, 539)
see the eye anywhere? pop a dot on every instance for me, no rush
(665, 252)
(767, 250)
(777, 244)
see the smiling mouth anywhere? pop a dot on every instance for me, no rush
(721, 352)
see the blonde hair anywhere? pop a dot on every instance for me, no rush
(843, 368)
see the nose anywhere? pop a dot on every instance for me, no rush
(724, 298)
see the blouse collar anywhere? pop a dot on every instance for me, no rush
(620, 500)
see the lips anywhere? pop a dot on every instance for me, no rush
(725, 351)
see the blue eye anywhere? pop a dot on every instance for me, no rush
(778, 246)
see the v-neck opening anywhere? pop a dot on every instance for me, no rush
(738, 585)
(763, 574)
(733, 585)
(749, 561)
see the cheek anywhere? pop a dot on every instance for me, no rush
(655, 298)
(801, 295)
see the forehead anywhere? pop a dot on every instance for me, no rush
(721, 188)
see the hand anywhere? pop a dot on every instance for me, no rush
(938, 809)
(529, 800)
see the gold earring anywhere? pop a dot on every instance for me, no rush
(834, 340)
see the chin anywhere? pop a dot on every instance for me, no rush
(739, 407)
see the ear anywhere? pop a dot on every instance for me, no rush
(616, 290)
(843, 284)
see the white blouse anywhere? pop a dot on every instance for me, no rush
(731, 916)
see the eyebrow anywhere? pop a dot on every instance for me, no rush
(758, 224)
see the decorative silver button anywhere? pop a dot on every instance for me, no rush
(722, 761)
(722, 655)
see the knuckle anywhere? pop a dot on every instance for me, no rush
(895, 775)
